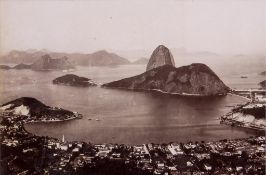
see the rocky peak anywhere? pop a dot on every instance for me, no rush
(160, 56)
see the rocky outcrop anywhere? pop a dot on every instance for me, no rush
(160, 56)
(195, 79)
(28, 106)
(74, 80)
(161, 75)
(47, 63)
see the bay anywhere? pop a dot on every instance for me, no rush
(121, 116)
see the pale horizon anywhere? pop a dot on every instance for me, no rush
(222, 27)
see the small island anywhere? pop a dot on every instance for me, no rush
(74, 80)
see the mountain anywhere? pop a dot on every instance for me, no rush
(195, 79)
(161, 75)
(99, 58)
(74, 80)
(17, 57)
(5, 67)
(47, 63)
(160, 56)
(141, 61)
(263, 84)
(22, 66)
(28, 106)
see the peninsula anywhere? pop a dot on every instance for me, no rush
(35, 111)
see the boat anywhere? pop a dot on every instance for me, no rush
(97, 119)
(243, 77)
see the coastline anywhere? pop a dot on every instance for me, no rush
(228, 118)
(163, 92)
(51, 121)
(239, 96)
(73, 157)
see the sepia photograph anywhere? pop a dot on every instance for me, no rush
(123, 87)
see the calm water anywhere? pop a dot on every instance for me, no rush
(125, 116)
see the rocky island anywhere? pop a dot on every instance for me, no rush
(36, 111)
(74, 80)
(196, 79)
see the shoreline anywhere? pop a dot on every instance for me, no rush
(239, 96)
(74, 156)
(51, 121)
(258, 132)
(163, 92)
(225, 119)
(233, 123)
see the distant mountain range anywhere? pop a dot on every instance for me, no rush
(221, 63)
(45, 62)
(18, 57)
(99, 58)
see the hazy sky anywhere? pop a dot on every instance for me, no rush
(222, 26)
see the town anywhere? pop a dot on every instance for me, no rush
(25, 153)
